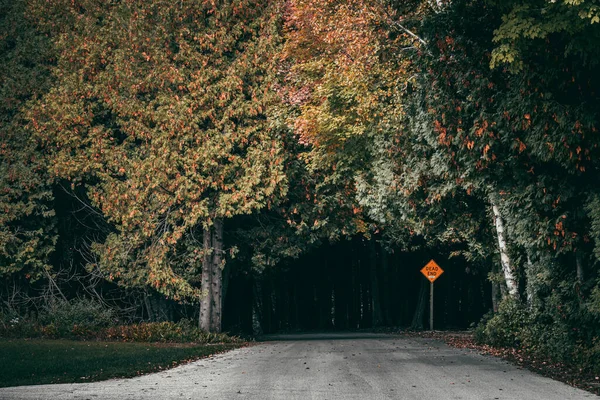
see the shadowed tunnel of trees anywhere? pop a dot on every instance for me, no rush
(347, 285)
(350, 284)
(355, 284)
(241, 166)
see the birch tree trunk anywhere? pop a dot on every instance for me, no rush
(216, 294)
(509, 275)
(205, 300)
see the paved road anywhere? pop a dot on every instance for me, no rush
(326, 367)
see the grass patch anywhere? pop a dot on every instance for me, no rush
(39, 361)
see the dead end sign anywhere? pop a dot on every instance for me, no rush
(432, 271)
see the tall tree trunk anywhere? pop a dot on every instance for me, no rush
(509, 275)
(385, 266)
(495, 296)
(206, 299)
(155, 309)
(296, 306)
(354, 293)
(340, 318)
(226, 277)
(324, 298)
(148, 307)
(498, 289)
(529, 285)
(375, 295)
(257, 306)
(417, 321)
(216, 286)
(170, 311)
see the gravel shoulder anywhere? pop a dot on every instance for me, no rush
(327, 367)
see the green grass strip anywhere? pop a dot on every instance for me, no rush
(38, 361)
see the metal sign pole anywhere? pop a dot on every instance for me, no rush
(431, 308)
(431, 271)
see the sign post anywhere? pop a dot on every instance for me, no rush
(431, 306)
(432, 271)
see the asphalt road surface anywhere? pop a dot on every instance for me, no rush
(326, 367)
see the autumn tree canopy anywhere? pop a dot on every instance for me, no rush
(202, 130)
(27, 235)
(159, 110)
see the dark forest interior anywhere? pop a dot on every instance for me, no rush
(352, 285)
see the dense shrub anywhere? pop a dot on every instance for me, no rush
(563, 330)
(84, 319)
(12, 325)
(78, 318)
(182, 331)
(505, 327)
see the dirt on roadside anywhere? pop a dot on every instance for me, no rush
(566, 373)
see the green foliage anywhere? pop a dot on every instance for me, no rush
(517, 327)
(561, 330)
(594, 302)
(569, 25)
(340, 91)
(12, 325)
(505, 328)
(77, 318)
(457, 135)
(593, 211)
(87, 319)
(27, 234)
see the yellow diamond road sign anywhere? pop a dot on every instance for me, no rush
(432, 271)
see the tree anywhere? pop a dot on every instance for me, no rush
(159, 109)
(523, 137)
(569, 26)
(526, 137)
(27, 233)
